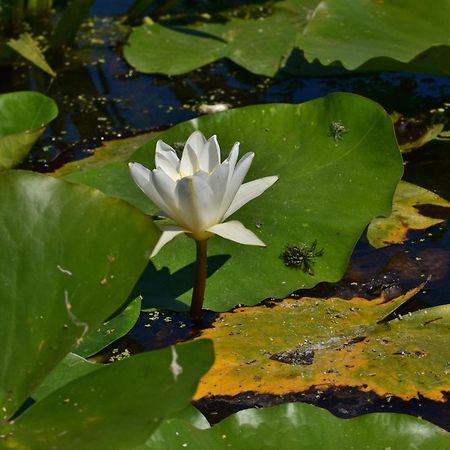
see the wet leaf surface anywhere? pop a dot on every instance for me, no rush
(414, 208)
(58, 283)
(291, 346)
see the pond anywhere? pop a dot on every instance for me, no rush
(357, 325)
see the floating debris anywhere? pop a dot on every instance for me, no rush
(301, 256)
(217, 107)
(337, 130)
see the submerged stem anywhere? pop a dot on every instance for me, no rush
(199, 282)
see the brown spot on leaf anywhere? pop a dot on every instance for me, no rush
(296, 357)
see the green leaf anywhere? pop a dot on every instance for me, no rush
(116, 407)
(27, 47)
(110, 331)
(363, 35)
(113, 150)
(189, 49)
(301, 426)
(193, 416)
(71, 367)
(72, 256)
(261, 46)
(23, 118)
(354, 33)
(114, 179)
(329, 189)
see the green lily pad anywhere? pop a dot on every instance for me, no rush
(115, 407)
(300, 426)
(113, 179)
(332, 182)
(71, 367)
(261, 46)
(368, 36)
(191, 50)
(23, 118)
(110, 331)
(192, 415)
(340, 343)
(114, 150)
(414, 208)
(385, 33)
(325, 193)
(72, 256)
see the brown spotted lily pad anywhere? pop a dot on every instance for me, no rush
(305, 343)
(414, 208)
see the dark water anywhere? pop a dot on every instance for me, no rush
(100, 97)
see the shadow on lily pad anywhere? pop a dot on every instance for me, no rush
(160, 288)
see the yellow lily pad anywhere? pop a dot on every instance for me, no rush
(414, 208)
(305, 343)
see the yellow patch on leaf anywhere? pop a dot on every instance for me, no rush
(326, 343)
(414, 208)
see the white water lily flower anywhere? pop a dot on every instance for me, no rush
(199, 192)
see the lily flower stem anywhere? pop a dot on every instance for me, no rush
(198, 293)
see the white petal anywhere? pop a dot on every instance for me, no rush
(249, 191)
(189, 162)
(196, 141)
(231, 163)
(140, 173)
(236, 180)
(209, 157)
(218, 182)
(195, 200)
(241, 169)
(235, 231)
(168, 233)
(143, 178)
(165, 186)
(233, 156)
(166, 158)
